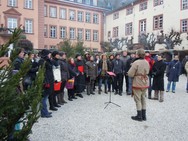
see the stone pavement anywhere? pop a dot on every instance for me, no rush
(87, 120)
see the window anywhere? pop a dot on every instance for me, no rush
(79, 1)
(88, 17)
(158, 22)
(88, 35)
(109, 34)
(95, 35)
(80, 34)
(53, 12)
(142, 25)
(63, 13)
(45, 31)
(87, 2)
(184, 25)
(128, 29)
(115, 31)
(63, 32)
(80, 16)
(53, 31)
(143, 6)
(28, 26)
(158, 2)
(52, 47)
(184, 4)
(72, 15)
(116, 16)
(129, 11)
(72, 33)
(28, 4)
(12, 3)
(12, 23)
(45, 11)
(95, 18)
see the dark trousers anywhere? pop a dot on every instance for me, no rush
(118, 82)
(71, 93)
(149, 88)
(126, 81)
(90, 86)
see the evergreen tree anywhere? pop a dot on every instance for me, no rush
(17, 106)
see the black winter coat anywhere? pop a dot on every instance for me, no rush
(33, 70)
(65, 75)
(158, 71)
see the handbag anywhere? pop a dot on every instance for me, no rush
(57, 86)
(70, 84)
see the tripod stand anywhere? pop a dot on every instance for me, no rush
(111, 75)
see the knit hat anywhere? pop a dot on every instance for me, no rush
(54, 53)
(78, 54)
(44, 53)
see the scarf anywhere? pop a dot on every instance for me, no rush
(104, 67)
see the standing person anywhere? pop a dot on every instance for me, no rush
(57, 78)
(97, 59)
(110, 69)
(129, 64)
(149, 59)
(19, 60)
(48, 85)
(73, 73)
(103, 68)
(91, 71)
(64, 77)
(139, 71)
(118, 69)
(158, 71)
(124, 59)
(32, 71)
(80, 79)
(186, 69)
(173, 73)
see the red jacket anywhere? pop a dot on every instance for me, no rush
(150, 61)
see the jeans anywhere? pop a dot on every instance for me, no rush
(44, 110)
(173, 86)
(105, 81)
(130, 85)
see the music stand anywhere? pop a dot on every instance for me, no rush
(111, 74)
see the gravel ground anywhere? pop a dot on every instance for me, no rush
(87, 120)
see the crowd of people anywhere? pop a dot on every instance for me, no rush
(138, 70)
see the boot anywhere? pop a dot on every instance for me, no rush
(59, 99)
(55, 102)
(144, 114)
(138, 117)
(105, 89)
(51, 104)
(156, 95)
(161, 96)
(88, 89)
(64, 102)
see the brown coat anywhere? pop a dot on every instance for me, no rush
(139, 71)
(91, 70)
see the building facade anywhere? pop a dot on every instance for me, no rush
(146, 17)
(49, 22)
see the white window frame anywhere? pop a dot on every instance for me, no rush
(63, 13)
(29, 26)
(80, 34)
(12, 23)
(12, 3)
(28, 4)
(116, 15)
(45, 31)
(115, 31)
(72, 15)
(72, 33)
(80, 16)
(63, 32)
(88, 17)
(184, 4)
(129, 28)
(129, 11)
(143, 26)
(88, 35)
(95, 35)
(53, 12)
(95, 18)
(53, 31)
(158, 22)
(157, 2)
(45, 10)
(143, 6)
(184, 25)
